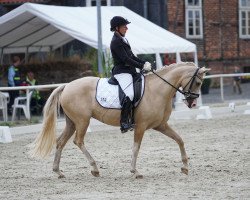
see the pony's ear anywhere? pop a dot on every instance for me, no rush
(204, 70)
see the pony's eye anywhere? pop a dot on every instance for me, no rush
(198, 83)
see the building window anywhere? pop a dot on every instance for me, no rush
(193, 19)
(103, 2)
(244, 17)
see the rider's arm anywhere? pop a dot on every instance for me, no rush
(120, 51)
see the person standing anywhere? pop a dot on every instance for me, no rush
(14, 80)
(37, 102)
(237, 80)
(125, 64)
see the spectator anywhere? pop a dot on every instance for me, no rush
(168, 59)
(14, 80)
(37, 102)
(237, 80)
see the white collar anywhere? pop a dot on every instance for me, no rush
(125, 39)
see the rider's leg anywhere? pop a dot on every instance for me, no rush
(126, 115)
(126, 83)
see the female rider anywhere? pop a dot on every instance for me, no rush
(125, 64)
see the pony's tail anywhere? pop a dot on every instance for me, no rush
(44, 142)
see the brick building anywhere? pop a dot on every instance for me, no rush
(219, 28)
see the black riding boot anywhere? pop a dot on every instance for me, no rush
(126, 115)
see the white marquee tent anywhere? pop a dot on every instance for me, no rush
(35, 27)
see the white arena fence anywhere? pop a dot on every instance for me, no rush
(52, 86)
(222, 76)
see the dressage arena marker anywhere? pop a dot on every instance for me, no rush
(5, 136)
(181, 111)
(203, 112)
(247, 112)
(232, 106)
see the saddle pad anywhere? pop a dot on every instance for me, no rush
(107, 95)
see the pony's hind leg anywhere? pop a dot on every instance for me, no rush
(168, 131)
(79, 141)
(61, 141)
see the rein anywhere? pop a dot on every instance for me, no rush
(167, 82)
(188, 94)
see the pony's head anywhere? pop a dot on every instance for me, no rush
(191, 84)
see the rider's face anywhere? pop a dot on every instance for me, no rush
(123, 29)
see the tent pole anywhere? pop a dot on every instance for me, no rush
(50, 50)
(26, 54)
(1, 56)
(158, 61)
(195, 57)
(178, 57)
(145, 8)
(179, 105)
(61, 52)
(199, 100)
(99, 27)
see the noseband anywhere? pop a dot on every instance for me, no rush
(188, 94)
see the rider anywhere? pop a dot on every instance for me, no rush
(125, 64)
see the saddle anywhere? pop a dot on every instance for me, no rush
(110, 95)
(137, 83)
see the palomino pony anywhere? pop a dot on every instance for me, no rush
(78, 102)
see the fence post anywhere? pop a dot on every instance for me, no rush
(221, 88)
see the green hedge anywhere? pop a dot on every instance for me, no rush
(52, 71)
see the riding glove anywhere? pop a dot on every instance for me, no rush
(147, 66)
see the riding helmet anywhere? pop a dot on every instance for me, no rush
(117, 21)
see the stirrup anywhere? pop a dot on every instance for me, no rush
(125, 128)
(132, 127)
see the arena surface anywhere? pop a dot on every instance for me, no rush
(219, 165)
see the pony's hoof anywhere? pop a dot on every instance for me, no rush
(59, 172)
(95, 173)
(61, 176)
(136, 174)
(184, 170)
(139, 176)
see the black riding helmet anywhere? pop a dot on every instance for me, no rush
(117, 21)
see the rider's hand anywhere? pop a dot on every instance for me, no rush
(147, 66)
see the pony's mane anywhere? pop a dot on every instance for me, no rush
(173, 66)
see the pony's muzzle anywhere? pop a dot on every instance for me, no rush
(190, 102)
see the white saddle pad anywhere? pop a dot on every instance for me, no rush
(107, 95)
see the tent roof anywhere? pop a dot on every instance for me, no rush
(43, 27)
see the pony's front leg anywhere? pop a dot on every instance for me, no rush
(168, 131)
(137, 143)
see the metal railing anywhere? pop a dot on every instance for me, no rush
(28, 89)
(222, 76)
(51, 86)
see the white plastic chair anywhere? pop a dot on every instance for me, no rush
(3, 106)
(22, 103)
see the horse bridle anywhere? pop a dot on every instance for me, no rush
(188, 94)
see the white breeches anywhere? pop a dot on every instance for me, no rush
(125, 80)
